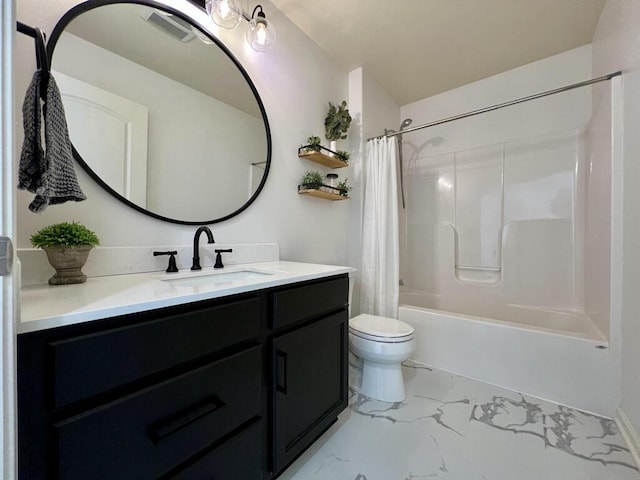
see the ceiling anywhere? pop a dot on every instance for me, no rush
(417, 48)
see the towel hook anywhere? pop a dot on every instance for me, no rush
(42, 61)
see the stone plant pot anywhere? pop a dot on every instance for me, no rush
(68, 262)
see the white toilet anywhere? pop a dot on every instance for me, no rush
(383, 344)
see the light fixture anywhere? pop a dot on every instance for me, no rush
(260, 33)
(225, 13)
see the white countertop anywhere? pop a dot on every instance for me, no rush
(45, 306)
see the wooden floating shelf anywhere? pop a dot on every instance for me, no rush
(322, 159)
(321, 194)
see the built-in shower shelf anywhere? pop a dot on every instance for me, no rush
(321, 158)
(321, 194)
(478, 274)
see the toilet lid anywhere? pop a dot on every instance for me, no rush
(380, 326)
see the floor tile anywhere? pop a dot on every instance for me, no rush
(455, 428)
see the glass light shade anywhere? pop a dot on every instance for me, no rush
(260, 33)
(225, 13)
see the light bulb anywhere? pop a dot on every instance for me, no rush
(225, 13)
(260, 33)
(224, 9)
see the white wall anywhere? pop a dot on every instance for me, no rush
(295, 81)
(616, 46)
(552, 72)
(372, 110)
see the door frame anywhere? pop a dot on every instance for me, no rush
(8, 284)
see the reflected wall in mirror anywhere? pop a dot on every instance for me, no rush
(160, 114)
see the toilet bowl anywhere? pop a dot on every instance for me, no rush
(382, 344)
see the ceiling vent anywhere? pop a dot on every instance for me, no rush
(170, 24)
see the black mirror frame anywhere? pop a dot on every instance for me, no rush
(90, 5)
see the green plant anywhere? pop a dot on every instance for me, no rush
(337, 122)
(313, 143)
(343, 155)
(343, 188)
(312, 179)
(64, 235)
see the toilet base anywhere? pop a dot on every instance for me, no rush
(382, 381)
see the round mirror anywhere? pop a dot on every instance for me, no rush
(160, 113)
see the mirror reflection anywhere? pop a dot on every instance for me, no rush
(160, 113)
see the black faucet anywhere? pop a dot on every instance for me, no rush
(172, 268)
(196, 250)
(219, 253)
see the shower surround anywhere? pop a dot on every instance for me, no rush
(497, 225)
(508, 222)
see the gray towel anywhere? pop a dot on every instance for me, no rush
(51, 175)
(32, 157)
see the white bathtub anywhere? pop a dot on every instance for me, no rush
(555, 355)
(562, 322)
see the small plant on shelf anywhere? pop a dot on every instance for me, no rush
(313, 145)
(342, 155)
(344, 188)
(312, 180)
(337, 122)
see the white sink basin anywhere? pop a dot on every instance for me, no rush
(215, 277)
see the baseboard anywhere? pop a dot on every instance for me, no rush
(630, 435)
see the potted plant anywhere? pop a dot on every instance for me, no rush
(343, 155)
(344, 188)
(337, 123)
(313, 146)
(67, 246)
(312, 180)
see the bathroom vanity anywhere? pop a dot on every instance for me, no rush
(225, 382)
(227, 375)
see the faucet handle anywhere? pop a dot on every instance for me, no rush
(172, 267)
(219, 257)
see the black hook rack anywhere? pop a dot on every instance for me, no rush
(42, 59)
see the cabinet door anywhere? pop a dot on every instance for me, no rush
(309, 385)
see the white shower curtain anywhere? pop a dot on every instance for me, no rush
(380, 240)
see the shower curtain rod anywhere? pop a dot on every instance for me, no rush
(502, 105)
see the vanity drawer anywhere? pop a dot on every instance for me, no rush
(146, 434)
(296, 304)
(92, 364)
(239, 458)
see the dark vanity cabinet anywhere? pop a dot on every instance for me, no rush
(309, 351)
(150, 395)
(232, 388)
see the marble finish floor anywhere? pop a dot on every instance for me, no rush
(454, 428)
